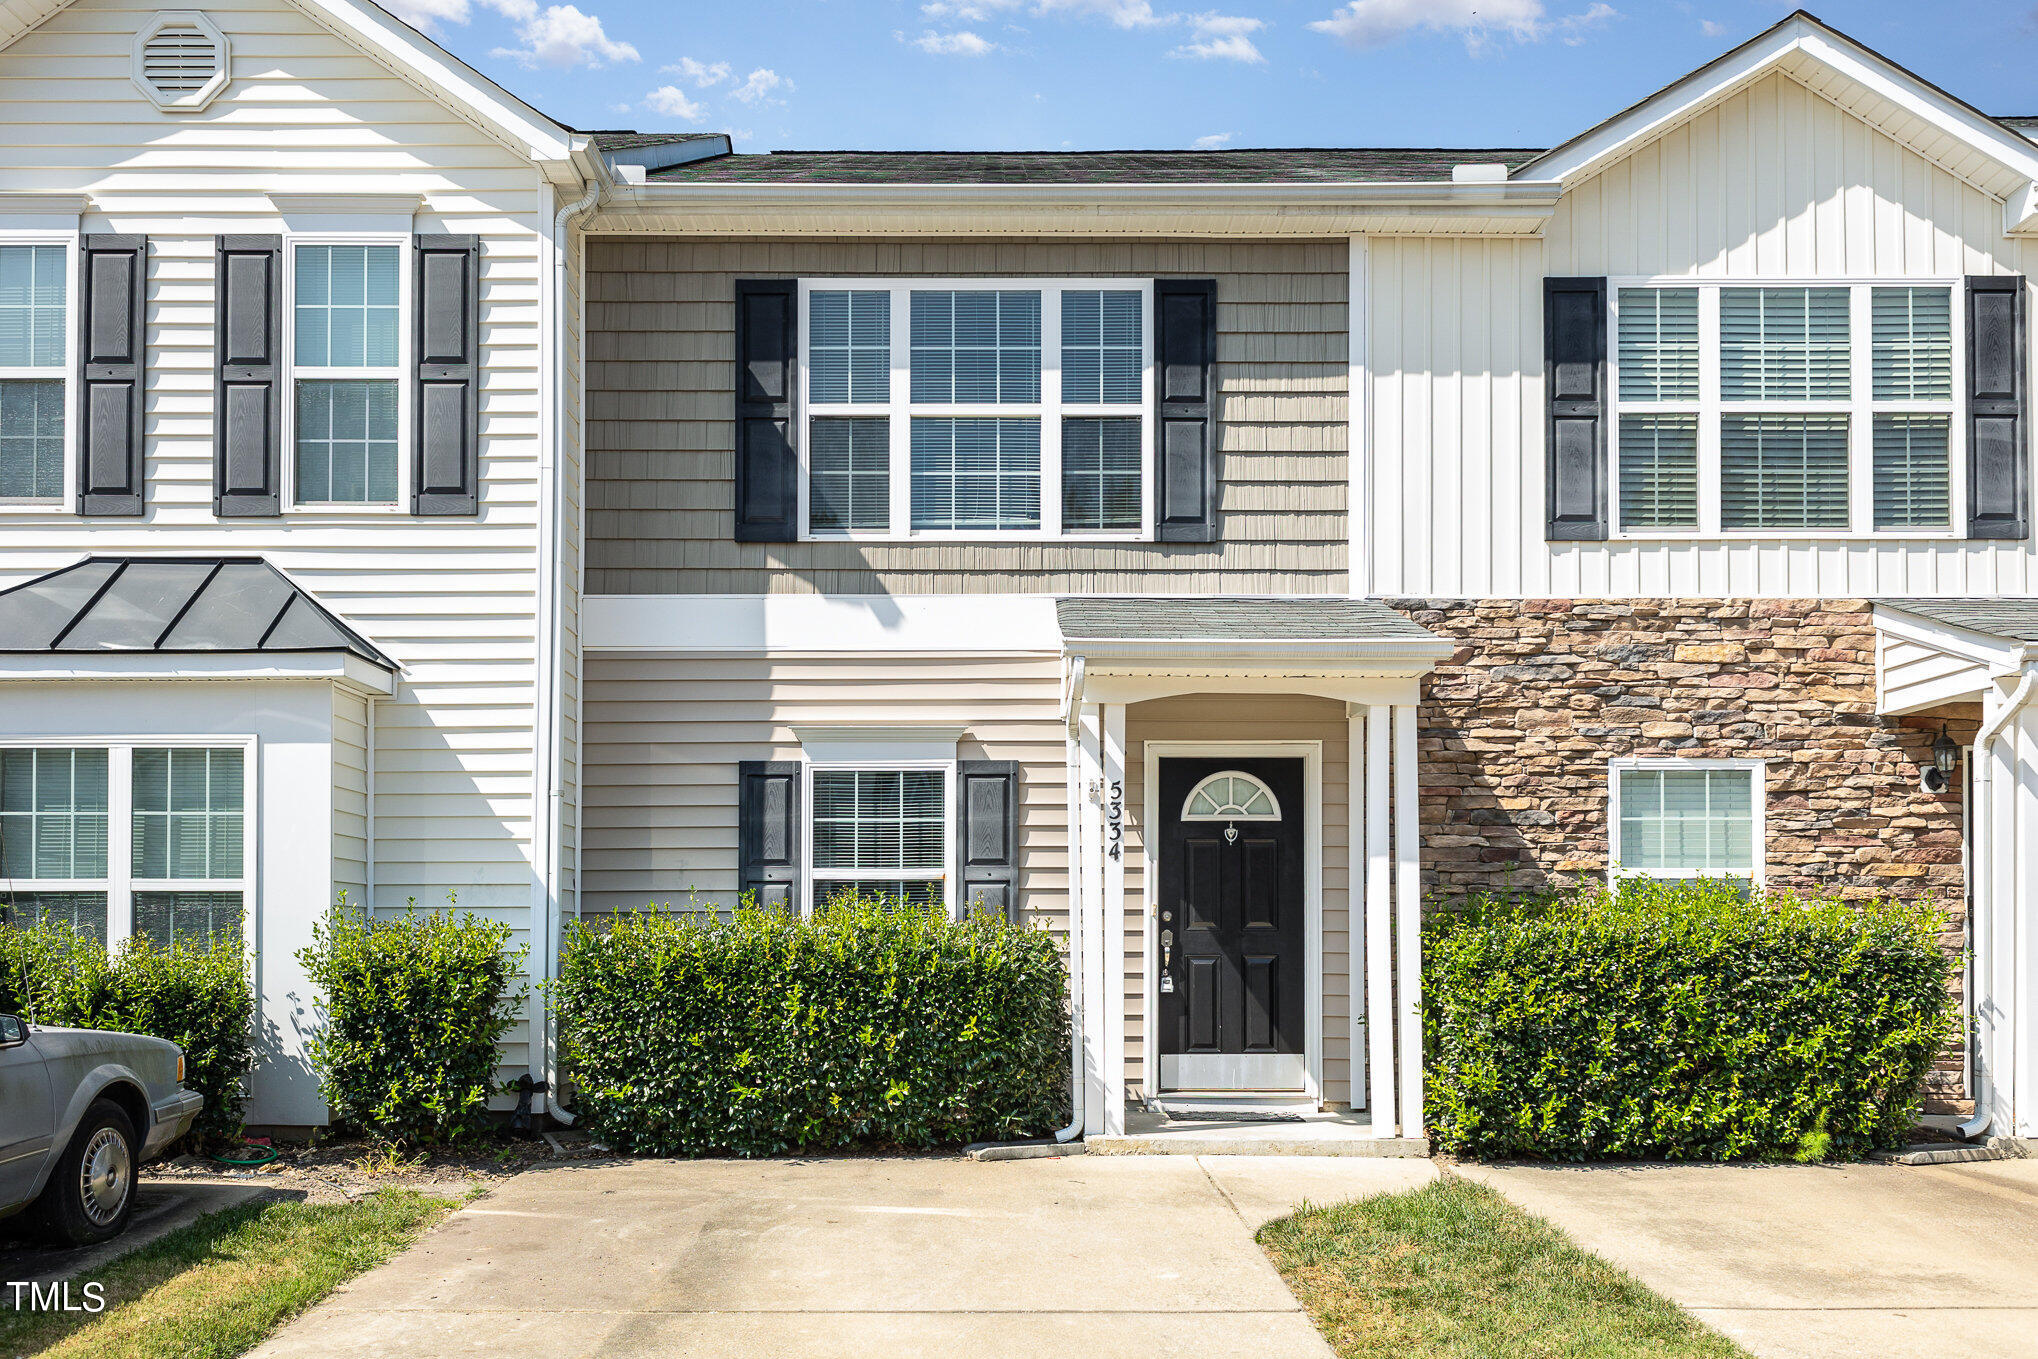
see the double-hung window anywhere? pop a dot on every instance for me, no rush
(347, 343)
(881, 831)
(1785, 410)
(142, 839)
(35, 366)
(1677, 819)
(981, 409)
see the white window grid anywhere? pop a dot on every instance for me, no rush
(1050, 409)
(120, 885)
(400, 373)
(60, 504)
(812, 880)
(1860, 408)
(1756, 771)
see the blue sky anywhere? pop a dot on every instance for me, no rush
(1053, 74)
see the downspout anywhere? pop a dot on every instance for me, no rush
(1983, 1113)
(1079, 1080)
(553, 758)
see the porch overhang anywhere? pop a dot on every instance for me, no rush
(1930, 652)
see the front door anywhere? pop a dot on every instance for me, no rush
(1230, 924)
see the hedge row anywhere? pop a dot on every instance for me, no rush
(1681, 1021)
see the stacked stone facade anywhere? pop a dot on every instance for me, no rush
(1517, 729)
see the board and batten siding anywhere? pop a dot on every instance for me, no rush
(660, 408)
(1774, 182)
(453, 599)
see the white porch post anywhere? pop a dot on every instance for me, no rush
(2019, 939)
(1356, 878)
(1115, 936)
(1380, 1091)
(1408, 916)
(1087, 896)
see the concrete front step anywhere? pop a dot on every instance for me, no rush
(1274, 1140)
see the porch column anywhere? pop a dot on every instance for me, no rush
(1115, 935)
(1408, 916)
(1086, 896)
(1380, 1089)
(1357, 962)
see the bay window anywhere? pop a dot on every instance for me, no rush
(980, 409)
(143, 839)
(34, 371)
(1785, 409)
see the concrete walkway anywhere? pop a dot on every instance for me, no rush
(1140, 1257)
(1816, 1262)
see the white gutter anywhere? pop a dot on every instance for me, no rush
(1983, 1113)
(697, 194)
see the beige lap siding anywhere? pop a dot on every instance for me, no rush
(661, 356)
(1235, 717)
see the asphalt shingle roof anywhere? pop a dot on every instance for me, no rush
(1233, 618)
(634, 141)
(172, 604)
(1291, 166)
(2014, 620)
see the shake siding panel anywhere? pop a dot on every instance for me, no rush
(659, 408)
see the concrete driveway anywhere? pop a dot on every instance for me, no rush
(1093, 1256)
(1816, 1262)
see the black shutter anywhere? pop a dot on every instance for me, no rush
(112, 349)
(247, 400)
(987, 836)
(1185, 433)
(1998, 425)
(445, 475)
(767, 441)
(768, 831)
(1574, 393)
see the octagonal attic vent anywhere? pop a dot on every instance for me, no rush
(180, 61)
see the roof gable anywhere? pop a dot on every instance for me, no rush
(1902, 105)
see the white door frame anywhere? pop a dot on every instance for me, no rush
(1311, 755)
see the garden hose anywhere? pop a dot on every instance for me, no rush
(267, 1154)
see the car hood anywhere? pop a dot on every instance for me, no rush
(129, 1049)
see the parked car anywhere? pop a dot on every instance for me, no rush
(80, 1111)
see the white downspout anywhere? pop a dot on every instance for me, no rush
(1984, 1113)
(1078, 1077)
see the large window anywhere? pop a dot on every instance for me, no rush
(977, 409)
(1785, 410)
(1687, 819)
(34, 371)
(881, 831)
(346, 357)
(126, 839)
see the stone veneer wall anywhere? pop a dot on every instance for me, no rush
(1518, 726)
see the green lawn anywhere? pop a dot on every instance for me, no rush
(214, 1289)
(1454, 1271)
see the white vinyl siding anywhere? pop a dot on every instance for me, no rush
(34, 370)
(976, 409)
(1677, 819)
(1792, 409)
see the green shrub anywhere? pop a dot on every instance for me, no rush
(414, 1006)
(196, 994)
(1681, 1021)
(764, 1033)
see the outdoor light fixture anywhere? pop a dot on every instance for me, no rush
(1938, 776)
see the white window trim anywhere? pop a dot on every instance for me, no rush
(402, 373)
(1758, 774)
(1050, 411)
(64, 505)
(1861, 407)
(875, 761)
(120, 885)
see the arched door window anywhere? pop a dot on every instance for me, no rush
(1231, 795)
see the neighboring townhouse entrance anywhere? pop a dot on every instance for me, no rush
(1230, 908)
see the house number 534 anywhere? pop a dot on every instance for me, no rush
(1114, 819)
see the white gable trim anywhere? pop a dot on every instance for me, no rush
(1790, 47)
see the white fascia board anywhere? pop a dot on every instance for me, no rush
(1588, 153)
(445, 78)
(1428, 196)
(336, 666)
(821, 624)
(2000, 654)
(1389, 653)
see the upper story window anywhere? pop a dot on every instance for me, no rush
(1800, 410)
(34, 371)
(976, 409)
(346, 353)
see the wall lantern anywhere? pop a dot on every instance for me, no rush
(1938, 777)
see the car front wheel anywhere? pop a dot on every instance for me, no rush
(90, 1194)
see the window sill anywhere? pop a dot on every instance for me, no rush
(973, 537)
(1869, 536)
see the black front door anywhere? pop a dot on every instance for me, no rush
(1230, 892)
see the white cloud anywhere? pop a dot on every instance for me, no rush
(1123, 13)
(671, 101)
(1712, 28)
(1211, 141)
(966, 10)
(759, 85)
(558, 35)
(1225, 37)
(428, 14)
(702, 75)
(1374, 23)
(961, 43)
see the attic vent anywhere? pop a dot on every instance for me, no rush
(180, 61)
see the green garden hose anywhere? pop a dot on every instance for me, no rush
(267, 1154)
